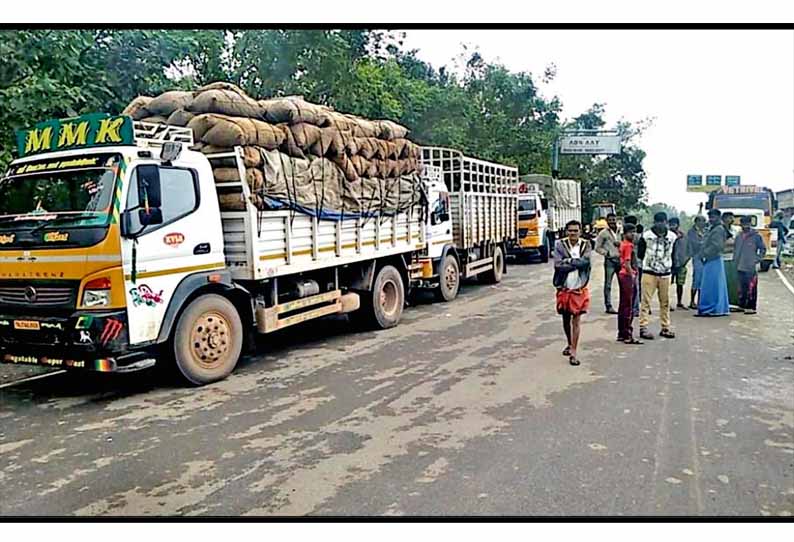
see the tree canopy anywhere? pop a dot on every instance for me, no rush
(482, 109)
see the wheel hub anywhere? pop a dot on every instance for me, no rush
(449, 277)
(210, 339)
(388, 298)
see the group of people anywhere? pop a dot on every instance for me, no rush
(647, 262)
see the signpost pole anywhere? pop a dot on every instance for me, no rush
(555, 158)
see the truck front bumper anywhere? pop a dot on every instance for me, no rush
(96, 341)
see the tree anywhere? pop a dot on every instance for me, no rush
(62, 73)
(483, 109)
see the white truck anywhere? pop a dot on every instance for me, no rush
(132, 261)
(545, 205)
(480, 199)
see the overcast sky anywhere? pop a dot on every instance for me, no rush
(723, 100)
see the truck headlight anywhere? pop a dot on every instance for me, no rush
(96, 293)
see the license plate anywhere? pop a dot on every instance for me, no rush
(27, 324)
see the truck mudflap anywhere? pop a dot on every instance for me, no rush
(95, 341)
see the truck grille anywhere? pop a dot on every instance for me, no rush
(37, 295)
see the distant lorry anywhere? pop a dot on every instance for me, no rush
(472, 219)
(132, 262)
(598, 217)
(545, 205)
(757, 202)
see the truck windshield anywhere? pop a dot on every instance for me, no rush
(526, 205)
(743, 201)
(73, 192)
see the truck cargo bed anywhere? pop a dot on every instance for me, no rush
(265, 244)
(482, 196)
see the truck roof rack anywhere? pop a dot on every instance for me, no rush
(150, 134)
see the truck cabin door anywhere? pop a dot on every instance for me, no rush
(167, 235)
(440, 226)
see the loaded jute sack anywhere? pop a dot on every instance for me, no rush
(297, 155)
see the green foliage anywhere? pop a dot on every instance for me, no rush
(483, 109)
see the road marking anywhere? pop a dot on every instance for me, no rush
(785, 281)
(30, 379)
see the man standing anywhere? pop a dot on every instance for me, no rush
(731, 278)
(782, 233)
(631, 219)
(626, 278)
(748, 251)
(713, 287)
(607, 244)
(571, 276)
(680, 259)
(694, 244)
(656, 252)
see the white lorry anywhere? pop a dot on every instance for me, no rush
(133, 261)
(545, 205)
(480, 199)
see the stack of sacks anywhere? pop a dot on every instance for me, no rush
(297, 154)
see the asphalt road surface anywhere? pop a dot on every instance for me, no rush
(465, 408)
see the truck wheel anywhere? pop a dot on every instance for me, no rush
(208, 339)
(449, 279)
(544, 251)
(494, 276)
(765, 265)
(383, 306)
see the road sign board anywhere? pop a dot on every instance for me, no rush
(732, 180)
(713, 180)
(694, 183)
(590, 144)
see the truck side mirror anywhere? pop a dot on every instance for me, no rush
(544, 203)
(153, 217)
(149, 195)
(443, 216)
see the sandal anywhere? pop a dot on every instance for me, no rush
(667, 334)
(632, 341)
(567, 351)
(573, 361)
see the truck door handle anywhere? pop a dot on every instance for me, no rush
(201, 248)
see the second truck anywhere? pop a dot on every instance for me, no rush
(545, 205)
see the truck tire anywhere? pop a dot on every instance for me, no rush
(765, 265)
(544, 250)
(208, 340)
(448, 279)
(382, 307)
(494, 276)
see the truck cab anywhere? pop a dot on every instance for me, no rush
(759, 203)
(533, 223)
(99, 235)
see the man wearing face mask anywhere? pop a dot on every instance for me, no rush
(748, 251)
(656, 252)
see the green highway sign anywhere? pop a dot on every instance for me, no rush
(694, 180)
(732, 180)
(713, 180)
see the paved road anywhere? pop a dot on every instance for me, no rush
(465, 408)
